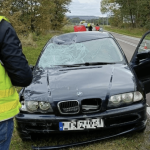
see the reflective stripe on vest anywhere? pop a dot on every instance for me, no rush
(8, 106)
(7, 92)
(9, 98)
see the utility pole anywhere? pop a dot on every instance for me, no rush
(107, 19)
(107, 14)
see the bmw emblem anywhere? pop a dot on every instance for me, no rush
(79, 93)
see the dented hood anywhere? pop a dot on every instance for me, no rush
(60, 84)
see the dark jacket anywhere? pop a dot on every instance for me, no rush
(90, 28)
(12, 57)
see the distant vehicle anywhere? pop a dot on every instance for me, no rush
(92, 24)
(81, 22)
(85, 24)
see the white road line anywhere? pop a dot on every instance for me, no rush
(126, 36)
(127, 42)
(137, 39)
(148, 110)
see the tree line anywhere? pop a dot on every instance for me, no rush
(100, 21)
(127, 13)
(35, 15)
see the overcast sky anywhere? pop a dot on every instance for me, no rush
(85, 8)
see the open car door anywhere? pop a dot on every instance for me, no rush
(140, 61)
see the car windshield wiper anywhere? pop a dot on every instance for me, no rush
(94, 63)
(79, 65)
(73, 65)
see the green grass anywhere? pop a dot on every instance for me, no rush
(132, 141)
(134, 32)
(68, 28)
(32, 53)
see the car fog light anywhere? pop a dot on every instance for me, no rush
(127, 97)
(44, 105)
(137, 96)
(32, 105)
(115, 99)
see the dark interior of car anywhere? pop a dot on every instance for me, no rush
(142, 69)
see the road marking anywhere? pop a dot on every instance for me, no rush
(129, 37)
(148, 110)
(127, 42)
(130, 44)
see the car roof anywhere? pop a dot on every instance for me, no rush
(77, 37)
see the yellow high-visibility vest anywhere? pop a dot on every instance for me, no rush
(9, 98)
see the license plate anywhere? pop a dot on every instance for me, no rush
(81, 124)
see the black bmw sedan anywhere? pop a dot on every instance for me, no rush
(83, 82)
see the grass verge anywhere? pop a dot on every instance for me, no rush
(132, 141)
(134, 32)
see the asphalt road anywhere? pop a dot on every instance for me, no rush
(129, 45)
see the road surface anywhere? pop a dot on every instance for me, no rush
(127, 43)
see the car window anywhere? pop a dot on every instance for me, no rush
(145, 45)
(100, 50)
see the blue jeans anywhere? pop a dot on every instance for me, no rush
(6, 130)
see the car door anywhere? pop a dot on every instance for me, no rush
(140, 61)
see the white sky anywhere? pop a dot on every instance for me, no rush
(85, 8)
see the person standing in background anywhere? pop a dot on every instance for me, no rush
(90, 27)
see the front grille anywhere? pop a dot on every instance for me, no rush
(91, 105)
(68, 107)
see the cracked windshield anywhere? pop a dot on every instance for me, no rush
(77, 53)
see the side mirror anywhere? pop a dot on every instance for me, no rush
(31, 67)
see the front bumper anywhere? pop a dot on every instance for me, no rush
(134, 115)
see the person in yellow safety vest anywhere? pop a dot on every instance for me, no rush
(14, 71)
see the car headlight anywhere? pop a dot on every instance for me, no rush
(32, 105)
(35, 106)
(137, 96)
(44, 106)
(125, 98)
(115, 99)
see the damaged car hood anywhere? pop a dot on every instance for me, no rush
(60, 84)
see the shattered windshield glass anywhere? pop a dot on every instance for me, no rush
(100, 50)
